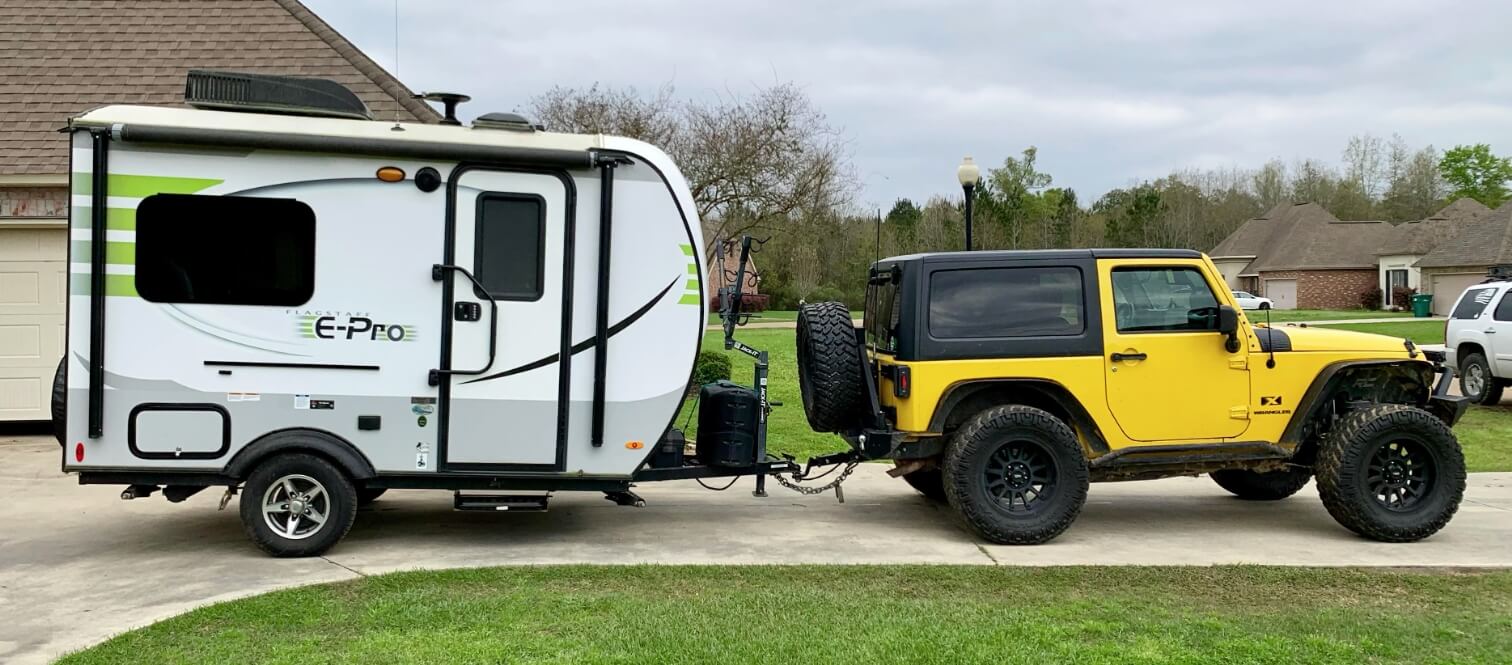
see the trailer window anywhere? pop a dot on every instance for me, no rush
(225, 250)
(510, 246)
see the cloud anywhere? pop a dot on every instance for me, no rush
(1109, 91)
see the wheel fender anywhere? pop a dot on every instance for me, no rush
(1042, 393)
(338, 450)
(1327, 382)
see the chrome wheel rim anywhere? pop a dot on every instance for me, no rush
(296, 506)
(1475, 380)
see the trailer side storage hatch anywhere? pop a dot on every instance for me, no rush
(179, 431)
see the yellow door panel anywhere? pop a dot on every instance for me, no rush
(1167, 372)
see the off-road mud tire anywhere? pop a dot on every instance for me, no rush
(1263, 486)
(830, 368)
(1345, 485)
(60, 403)
(973, 448)
(342, 508)
(929, 482)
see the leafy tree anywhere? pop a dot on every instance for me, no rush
(904, 219)
(1064, 218)
(1016, 202)
(1414, 187)
(1473, 171)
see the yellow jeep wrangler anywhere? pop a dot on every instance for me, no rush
(1005, 382)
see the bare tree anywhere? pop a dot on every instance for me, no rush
(752, 162)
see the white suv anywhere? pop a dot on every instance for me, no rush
(1478, 337)
(1249, 301)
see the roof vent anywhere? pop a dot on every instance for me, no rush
(266, 93)
(449, 101)
(510, 121)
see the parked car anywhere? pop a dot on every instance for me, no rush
(1478, 337)
(1250, 301)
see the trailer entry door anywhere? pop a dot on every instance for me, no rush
(510, 230)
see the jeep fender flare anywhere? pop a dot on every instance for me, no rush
(1041, 392)
(300, 439)
(1327, 382)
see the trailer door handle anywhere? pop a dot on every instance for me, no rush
(1117, 357)
(438, 273)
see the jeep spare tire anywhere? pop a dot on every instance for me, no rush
(829, 367)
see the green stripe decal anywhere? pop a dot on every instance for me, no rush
(116, 219)
(692, 285)
(688, 299)
(687, 250)
(692, 269)
(141, 186)
(116, 253)
(115, 285)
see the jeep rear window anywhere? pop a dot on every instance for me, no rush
(883, 306)
(1473, 303)
(1006, 302)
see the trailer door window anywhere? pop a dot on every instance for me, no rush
(510, 246)
(225, 250)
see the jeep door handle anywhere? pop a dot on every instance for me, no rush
(1128, 356)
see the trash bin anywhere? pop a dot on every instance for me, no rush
(1422, 304)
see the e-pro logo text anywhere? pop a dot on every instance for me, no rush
(351, 326)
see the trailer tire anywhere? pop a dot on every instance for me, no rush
(829, 367)
(325, 498)
(1391, 472)
(60, 403)
(1028, 455)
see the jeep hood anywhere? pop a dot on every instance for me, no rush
(1328, 339)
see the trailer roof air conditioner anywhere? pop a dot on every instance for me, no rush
(267, 93)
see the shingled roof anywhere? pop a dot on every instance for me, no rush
(1485, 241)
(1421, 237)
(1303, 236)
(65, 57)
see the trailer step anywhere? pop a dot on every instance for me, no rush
(515, 503)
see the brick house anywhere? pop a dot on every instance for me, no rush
(64, 57)
(1301, 256)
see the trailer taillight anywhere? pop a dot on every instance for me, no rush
(79, 451)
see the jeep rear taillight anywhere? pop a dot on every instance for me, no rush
(902, 381)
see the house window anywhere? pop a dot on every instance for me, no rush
(510, 246)
(1395, 279)
(1006, 302)
(1163, 299)
(225, 250)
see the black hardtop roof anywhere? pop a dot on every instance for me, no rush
(1048, 254)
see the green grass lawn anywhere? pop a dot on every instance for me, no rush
(1421, 332)
(851, 614)
(1291, 315)
(1485, 434)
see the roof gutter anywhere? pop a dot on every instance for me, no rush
(462, 152)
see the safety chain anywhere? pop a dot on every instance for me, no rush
(831, 485)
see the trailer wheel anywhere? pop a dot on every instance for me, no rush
(60, 403)
(829, 367)
(297, 505)
(1391, 472)
(1016, 474)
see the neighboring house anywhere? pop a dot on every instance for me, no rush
(1301, 256)
(65, 57)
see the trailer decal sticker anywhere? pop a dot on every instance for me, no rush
(351, 326)
(322, 404)
(301, 402)
(585, 344)
(142, 186)
(239, 339)
(422, 455)
(243, 397)
(691, 295)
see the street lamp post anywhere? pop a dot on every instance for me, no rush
(969, 175)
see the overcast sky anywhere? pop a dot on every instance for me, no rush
(1110, 92)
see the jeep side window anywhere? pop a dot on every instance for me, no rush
(1006, 302)
(1473, 303)
(1163, 299)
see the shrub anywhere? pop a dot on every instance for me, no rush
(1371, 298)
(1401, 296)
(711, 366)
(825, 294)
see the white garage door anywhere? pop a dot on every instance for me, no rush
(32, 288)
(1282, 292)
(1447, 289)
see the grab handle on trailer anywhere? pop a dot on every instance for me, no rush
(438, 273)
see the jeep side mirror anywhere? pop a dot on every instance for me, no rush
(1228, 325)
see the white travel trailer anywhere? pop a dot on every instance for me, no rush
(284, 296)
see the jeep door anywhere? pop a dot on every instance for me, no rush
(1169, 376)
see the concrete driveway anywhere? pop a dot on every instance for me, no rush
(77, 564)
